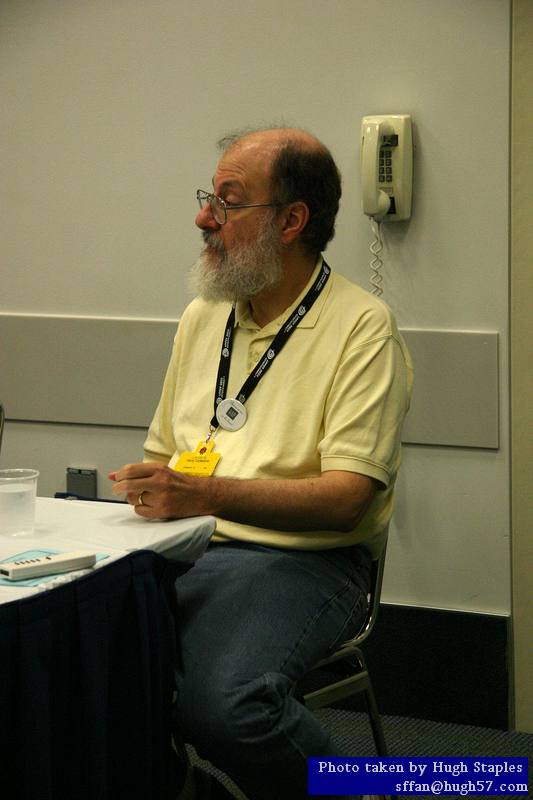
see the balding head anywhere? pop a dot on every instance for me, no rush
(301, 168)
(269, 139)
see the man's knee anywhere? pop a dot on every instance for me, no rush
(233, 716)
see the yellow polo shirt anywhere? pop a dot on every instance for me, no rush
(333, 399)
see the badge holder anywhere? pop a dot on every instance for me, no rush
(201, 462)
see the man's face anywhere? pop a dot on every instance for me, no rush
(243, 271)
(242, 257)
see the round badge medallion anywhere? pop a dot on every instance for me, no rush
(231, 414)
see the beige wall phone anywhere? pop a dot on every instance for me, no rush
(386, 177)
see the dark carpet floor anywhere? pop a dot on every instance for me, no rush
(415, 737)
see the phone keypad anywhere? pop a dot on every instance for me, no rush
(385, 166)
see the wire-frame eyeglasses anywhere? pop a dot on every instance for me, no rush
(219, 208)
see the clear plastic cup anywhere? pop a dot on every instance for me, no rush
(18, 488)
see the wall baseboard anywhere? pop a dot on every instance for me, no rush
(446, 666)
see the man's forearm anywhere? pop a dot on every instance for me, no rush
(332, 501)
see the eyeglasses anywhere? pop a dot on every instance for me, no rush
(219, 208)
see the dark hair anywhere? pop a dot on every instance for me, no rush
(301, 171)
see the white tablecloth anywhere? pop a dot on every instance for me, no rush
(104, 528)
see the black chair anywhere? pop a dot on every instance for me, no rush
(349, 668)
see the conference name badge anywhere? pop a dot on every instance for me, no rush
(202, 462)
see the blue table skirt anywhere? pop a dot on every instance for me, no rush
(86, 686)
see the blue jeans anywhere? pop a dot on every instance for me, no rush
(252, 621)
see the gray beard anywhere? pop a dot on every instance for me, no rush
(220, 276)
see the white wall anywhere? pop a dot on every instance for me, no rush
(111, 111)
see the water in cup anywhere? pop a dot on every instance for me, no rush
(17, 501)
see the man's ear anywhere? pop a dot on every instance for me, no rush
(294, 218)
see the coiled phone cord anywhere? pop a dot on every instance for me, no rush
(376, 263)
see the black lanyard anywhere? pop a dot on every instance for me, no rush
(279, 341)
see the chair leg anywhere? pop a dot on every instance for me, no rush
(375, 724)
(375, 721)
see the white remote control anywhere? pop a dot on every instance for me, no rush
(46, 565)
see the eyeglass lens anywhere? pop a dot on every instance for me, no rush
(216, 207)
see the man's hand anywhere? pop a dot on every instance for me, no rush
(158, 492)
(334, 500)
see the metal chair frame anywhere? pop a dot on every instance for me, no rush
(359, 679)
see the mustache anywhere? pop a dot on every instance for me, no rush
(210, 238)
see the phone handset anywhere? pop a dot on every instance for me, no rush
(376, 202)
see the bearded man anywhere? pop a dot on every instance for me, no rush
(289, 385)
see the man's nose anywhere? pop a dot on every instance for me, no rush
(205, 220)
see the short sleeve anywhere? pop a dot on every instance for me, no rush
(366, 405)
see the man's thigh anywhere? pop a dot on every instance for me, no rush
(251, 610)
